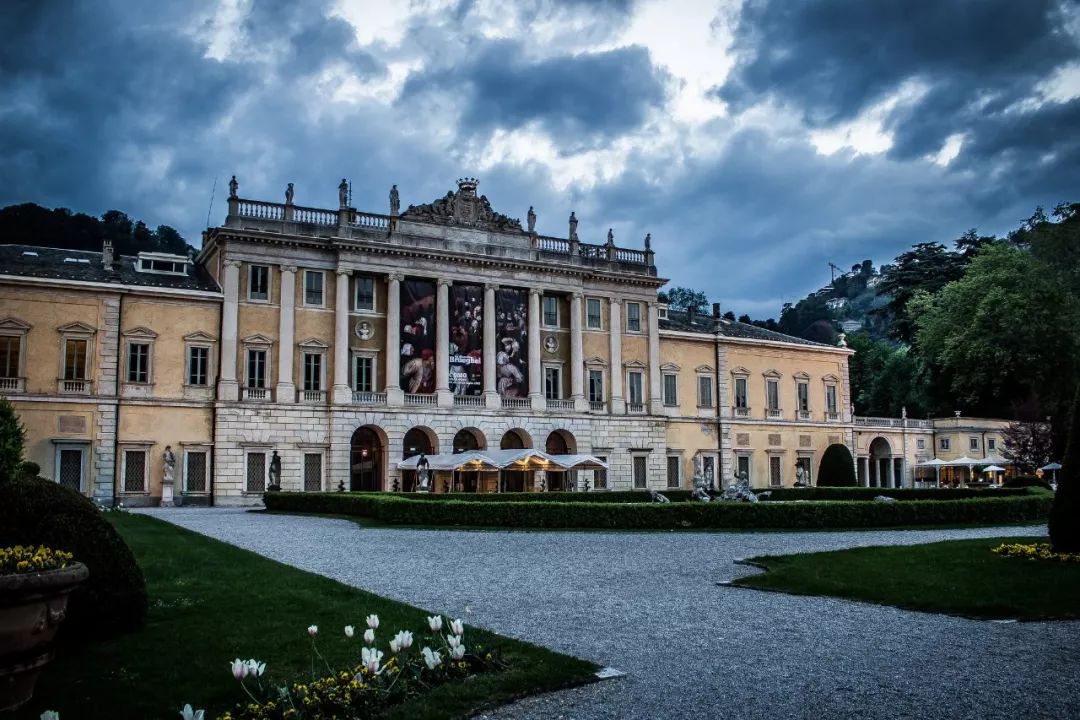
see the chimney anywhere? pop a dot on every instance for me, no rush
(716, 311)
(107, 255)
(690, 315)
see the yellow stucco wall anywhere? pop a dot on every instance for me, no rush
(153, 427)
(172, 320)
(787, 361)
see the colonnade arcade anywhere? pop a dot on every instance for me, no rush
(881, 467)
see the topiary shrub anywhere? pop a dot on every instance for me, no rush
(1023, 481)
(1065, 514)
(29, 469)
(12, 437)
(837, 467)
(40, 512)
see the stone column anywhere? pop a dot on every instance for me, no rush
(656, 400)
(864, 472)
(228, 388)
(536, 393)
(890, 472)
(444, 397)
(491, 393)
(618, 405)
(286, 388)
(342, 391)
(394, 394)
(577, 358)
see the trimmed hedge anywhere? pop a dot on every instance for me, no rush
(1029, 505)
(837, 468)
(597, 496)
(868, 494)
(1026, 481)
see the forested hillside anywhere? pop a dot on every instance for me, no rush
(31, 224)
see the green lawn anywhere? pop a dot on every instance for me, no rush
(211, 602)
(958, 577)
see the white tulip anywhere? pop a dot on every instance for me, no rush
(395, 646)
(431, 659)
(372, 621)
(50, 715)
(369, 636)
(371, 659)
(457, 627)
(255, 668)
(239, 669)
(404, 639)
(349, 631)
(313, 630)
(453, 641)
(435, 623)
(187, 714)
(457, 652)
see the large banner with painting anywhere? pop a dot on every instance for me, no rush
(418, 336)
(512, 346)
(466, 339)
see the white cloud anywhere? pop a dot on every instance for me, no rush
(949, 150)
(866, 134)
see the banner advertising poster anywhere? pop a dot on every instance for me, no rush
(466, 339)
(512, 346)
(418, 336)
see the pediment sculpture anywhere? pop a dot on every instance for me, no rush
(463, 207)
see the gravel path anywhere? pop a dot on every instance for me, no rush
(648, 604)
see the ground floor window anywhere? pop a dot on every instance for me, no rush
(256, 472)
(673, 462)
(742, 468)
(134, 471)
(195, 474)
(600, 475)
(640, 470)
(803, 468)
(776, 470)
(71, 466)
(313, 481)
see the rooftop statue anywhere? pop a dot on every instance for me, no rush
(610, 236)
(343, 193)
(463, 208)
(573, 226)
(233, 187)
(289, 194)
(395, 200)
(531, 218)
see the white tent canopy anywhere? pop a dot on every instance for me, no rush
(526, 459)
(932, 463)
(964, 461)
(993, 468)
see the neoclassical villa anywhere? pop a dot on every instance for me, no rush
(344, 342)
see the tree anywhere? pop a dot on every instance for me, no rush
(837, 468)
(729, 316)
(885, 378)
(744, 318)
(927, 267)
(1065, 513)
(1028, 443)
(680, 298)
(12, 438)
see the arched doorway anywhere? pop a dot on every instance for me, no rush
(366, 456)
(417, 441)
(881, 463)
(467, 440)
(560, 442)
(514, 480)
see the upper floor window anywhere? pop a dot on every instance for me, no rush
(10, 354)
(740, 393)
(198, 365)
(830, 399)
(920, 443)
(772, 394)
(704, 393)
(138, 362)
(596, 386)
(365, 293)
(162, 263)
(802, 395)
(991, 443)
(633, 317)
(256, 368)
(973, 443)
(944, 443)
(671, 389)
(363, 373)
(313, 367)
(552, 383)
(551, 311)
(313, 287)
(75, 359)
(634, 387)
(593, 318)
(259, 283)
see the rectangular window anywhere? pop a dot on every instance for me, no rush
(553, 383)
(776, 477)
(364, 374)
(709, 468)
(633, 317)
(138, 363)
(920, 444)
(195, 471)
(596, 386)
(551, 311)
(198, 366)
(256, 368)
(365, 293)
(804, 463)
(593, 319)
(259, 283)
(641, 479)
(10, 347)
(673, 462)
(312, 472)
(740, 393)
(75, 360)
(704, 391)
(313, 287)
(671, 389)
(600, 475)
(802, 394)
(742, 463)
(134, 471)
(944, 443)
(313, 371)
(973, 443)
(830, 399)
(633, 382)
(991, 443)
(256, 472)
(772, 388)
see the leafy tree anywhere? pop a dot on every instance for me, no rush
(1065, 513)
(680, 298)
(926, 268)
(837, 468)
(744, 318)
(1028, 443)
(12, 438)
(885, 378)
(30, 224)
(729, 316)
(167, 239)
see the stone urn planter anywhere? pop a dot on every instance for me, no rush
(32, 606)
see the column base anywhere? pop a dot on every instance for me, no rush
(492, 400)
(342, 394)
(395, 396)
(537, 401)
(444, 398)
(581, 404)
(228, 390)
(285, 393)
(618, 406)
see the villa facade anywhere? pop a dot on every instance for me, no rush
(345, 341)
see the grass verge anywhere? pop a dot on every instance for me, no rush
(211, 602)
(957, 577)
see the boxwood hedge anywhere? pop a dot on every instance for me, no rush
(1029, 505)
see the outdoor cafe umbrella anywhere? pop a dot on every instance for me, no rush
(936, 463)
(1052, 467)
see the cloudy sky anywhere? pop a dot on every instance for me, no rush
(755, 140)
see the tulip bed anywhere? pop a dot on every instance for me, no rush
(1028, 505)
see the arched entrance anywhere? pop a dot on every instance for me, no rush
(417, 441)
(560, 442)
(366, 456)
(466, 440)
(881, 464)
(514, 480)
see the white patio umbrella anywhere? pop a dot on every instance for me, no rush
(1052, 467)
(993, 468)
(936, 463)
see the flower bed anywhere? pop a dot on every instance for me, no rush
(1035, 551)
(989, 508)
(28, 559)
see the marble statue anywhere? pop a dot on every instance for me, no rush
(740, 490)
(343, 193)
(289, 194)
(233, 187)
(573, 226)
(648, 241)
(395, 200)
(610, 236)
(657, 497)
(700, 495)
(423, 474)
(800, 476)
(531, 220)
(275, 471)
(168, 461)
(884, 499)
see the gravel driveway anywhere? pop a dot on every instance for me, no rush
(648, 604)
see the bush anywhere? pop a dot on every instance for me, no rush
(12, 436)
(599, 496)
(1025, 481)
(1065, 516)
(990, 508)
(29, 469)
(34, 511)
(837, 468)
(868, 494)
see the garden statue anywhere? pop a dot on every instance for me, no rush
(531, 217)
(423, 474)
(740, 490)
(657, 497)
(275, 472)
(395, 200)
(800, 476)
(700, 495)
(168, 461)
(341, 486)
(396, 487)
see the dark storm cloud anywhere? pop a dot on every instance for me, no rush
(579, 99)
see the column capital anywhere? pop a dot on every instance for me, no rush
(577, 295)
(288, 268)
(395, 277)
(344, 271)
(491, 286)
(535, 291)
(232, 263)
(445, 282)
(615, 301)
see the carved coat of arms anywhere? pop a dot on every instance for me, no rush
(463, 207)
